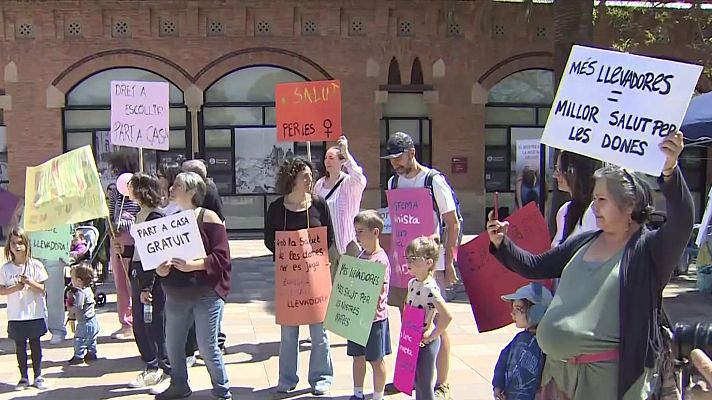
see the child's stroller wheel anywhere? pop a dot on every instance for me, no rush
(100, 300)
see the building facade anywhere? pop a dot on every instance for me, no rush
(471, 81)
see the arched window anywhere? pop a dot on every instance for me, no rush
(515, 115)
(240, 141)
(87, 119)
(416, 73)
(394, 75)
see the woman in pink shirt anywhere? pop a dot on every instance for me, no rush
(342, 188)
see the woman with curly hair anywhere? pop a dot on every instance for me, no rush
(299, 209)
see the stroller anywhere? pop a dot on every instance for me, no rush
(91, 235)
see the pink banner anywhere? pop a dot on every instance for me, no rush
(486, 279)
(412, 216)
(408, 349)
(139, 114)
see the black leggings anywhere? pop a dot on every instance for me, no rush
(21, 352)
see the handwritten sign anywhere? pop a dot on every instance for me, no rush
(411, 217)
(139, 114)
(302, 276)
(408, 348)
(354, 298)
(486, 279)
(52, 244)
(618, 107)
(8, 204)
(63, 190)
(174, 236)
(308, 111)
(702, 232)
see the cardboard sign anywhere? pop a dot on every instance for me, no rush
(63, 190)
(412, 216)
(354, 298)
(618, 107)
(8, 204)
(408, 348)
(52, 244)
(308, 111)
(302, 276)
(486, 279)
(139, 114)
(702, 232)
(174, 236)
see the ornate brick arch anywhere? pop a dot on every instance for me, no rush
(122, 58)
(259, 56)
(516, 63)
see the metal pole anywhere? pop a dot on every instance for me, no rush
(140, 159)
(309, 151)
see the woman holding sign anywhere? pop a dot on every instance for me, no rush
(342, 188)
(297, 210)
(196, 291)
(147, 292)
(601, 333)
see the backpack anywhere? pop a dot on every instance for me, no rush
(428, 184)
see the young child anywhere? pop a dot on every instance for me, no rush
(517, 374)
(368, 225)
(81, 305)
(22, 281)
(424, 293)
(79, 246)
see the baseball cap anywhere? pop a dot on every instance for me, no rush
(529, 292)
(398, 143)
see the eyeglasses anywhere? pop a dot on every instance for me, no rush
(412, 259)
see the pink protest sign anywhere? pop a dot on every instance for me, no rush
(408, 348)
(412, 216)
(139, 114)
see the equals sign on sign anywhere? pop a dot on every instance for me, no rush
(614, 93)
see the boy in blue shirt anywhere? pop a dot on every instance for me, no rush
(517, 375)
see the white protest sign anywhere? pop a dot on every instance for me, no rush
(139, 114)
(702, 232)
(619, 107)
(174, 236)
(386, 217)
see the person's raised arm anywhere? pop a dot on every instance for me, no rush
(667, 244)
(357, 179)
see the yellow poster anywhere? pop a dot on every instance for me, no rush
(63, 190)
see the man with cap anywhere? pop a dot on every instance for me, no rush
(517, 374)
(409, 173)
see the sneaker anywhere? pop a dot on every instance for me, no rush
(161, 386)
(320, 390)
(122, 334)
(57, 339)
(145, 379)
(391, 389)
(442, 392)
(75, 361)
(90, 357)
(40, 383)
(173, 392)
(190, 361)
(285, 389)
(23, 384)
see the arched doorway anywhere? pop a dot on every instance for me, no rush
(515, 115)
(240, 144)
(87, 119)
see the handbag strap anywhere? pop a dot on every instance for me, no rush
(334, 188)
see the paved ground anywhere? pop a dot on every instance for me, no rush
(253, 342)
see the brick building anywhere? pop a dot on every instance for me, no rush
(467, 79)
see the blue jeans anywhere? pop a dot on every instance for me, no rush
(85, 337)
(425, 372)
(202, 306)
(321, 370)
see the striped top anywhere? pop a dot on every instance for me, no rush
(126, 209)
(345, 202)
